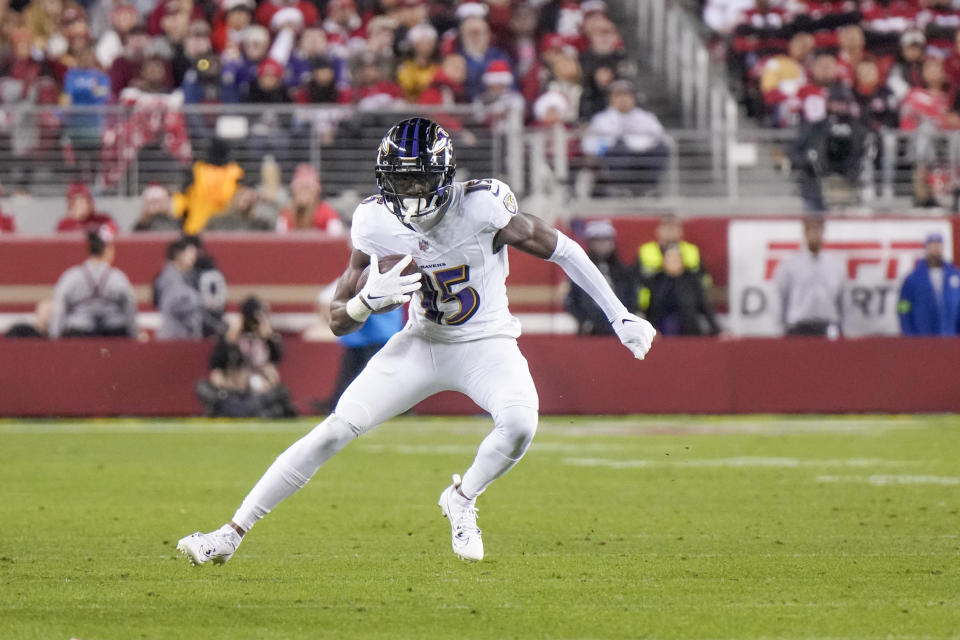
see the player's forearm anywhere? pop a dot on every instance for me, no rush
(577, 265)
(341, 321)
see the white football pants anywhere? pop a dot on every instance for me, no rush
(409, 368)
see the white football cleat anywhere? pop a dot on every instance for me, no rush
(216, 546)
(462, 514)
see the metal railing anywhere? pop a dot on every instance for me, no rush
(755, 170)
(118, 151)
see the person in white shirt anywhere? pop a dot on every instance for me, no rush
(629, 143)
(811, 286)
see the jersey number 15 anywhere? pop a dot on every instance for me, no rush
(438, 288)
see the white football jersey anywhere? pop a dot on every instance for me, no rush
(463, 294)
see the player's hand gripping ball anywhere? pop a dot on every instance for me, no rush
(398, 277)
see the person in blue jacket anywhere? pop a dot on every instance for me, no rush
(930, 296)
(362, 344)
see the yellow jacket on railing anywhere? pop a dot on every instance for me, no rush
(208, 195)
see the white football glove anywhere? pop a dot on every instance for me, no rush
(390, 288)
(635, 333)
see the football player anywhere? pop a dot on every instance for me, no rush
(460, 335)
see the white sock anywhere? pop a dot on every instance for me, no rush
(293, 469)
(500, 450)
(231, 534)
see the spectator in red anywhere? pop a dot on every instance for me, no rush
(929, 103)
(321, 86)
(20, 64)
(81, 215)
(370, 90)
(228, 25)
(266, 11)
(479, 54)
(191, 10)
(447, 87)
(907, 72)
(123, 18)
(499, 13)
(343, 23)
(594, 18)
(498, 98)
(269, 87)
(307, 210)
(126, 67)
(852, 52)
(416, 74)
(782, 78)
(521, 46)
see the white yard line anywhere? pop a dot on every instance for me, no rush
(739, 462)
(893, 480)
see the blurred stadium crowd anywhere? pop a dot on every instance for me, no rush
(554, 61)
(276, 51)
(842, 72)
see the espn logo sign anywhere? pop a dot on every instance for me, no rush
(896, 257)
(877, 254)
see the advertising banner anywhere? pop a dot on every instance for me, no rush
(878, 255)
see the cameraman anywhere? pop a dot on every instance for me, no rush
(244, 381)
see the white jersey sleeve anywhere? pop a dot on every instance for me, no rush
(492, 199)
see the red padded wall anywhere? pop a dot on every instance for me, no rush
(696, 375)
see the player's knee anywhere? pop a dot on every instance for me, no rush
(518, 425)
(330, 436)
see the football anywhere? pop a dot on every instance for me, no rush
(386, 263)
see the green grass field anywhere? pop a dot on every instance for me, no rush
(687, 527)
